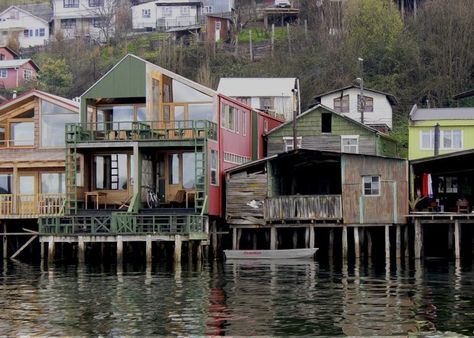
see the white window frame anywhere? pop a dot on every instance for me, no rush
(288, 143)
(3, 73)
(214, 153)
(167, 11)
(451, 132)
(349, 137)
(27, 74)
(378, 183)
(146, 13)
(185, 10)
(431, 146)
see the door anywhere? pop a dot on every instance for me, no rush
(217, 33)
(180, 124)
(27, 194)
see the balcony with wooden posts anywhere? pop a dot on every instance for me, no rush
(31, 205)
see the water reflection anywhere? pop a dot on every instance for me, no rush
(237, 298)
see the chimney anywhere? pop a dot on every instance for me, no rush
(14, 94)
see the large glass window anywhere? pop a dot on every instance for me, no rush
(201, 111)
(22, 133)
(451, 139)
(184, 93)
(119, 117)
(173, 163)
(111, 172)
(53, 183)
(53, 121)
(5, 183)
(427, 139)
(189, 172)
(214, 167)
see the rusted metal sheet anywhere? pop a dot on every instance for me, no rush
(295, 208)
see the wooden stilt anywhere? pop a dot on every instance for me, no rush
(398, 243)
(406, 246)
(199, 251)
(42, 250)
(312, 237)
(362, 241)
(418, 239)
(177, 249)
(369, 243)
(234, 239)
(331, 242)
(356, 242)
(387, 242)
(306, 237)
(295, 239)
(273, 238)
(50, 249)
(450, 236)
(119, 250)
(190, 251)
(457, 239)
(102, 250)
(81, 249)
(344, 242)
(5, 242)
(214, 239)
(24, 246)
(254, 244)
(148, 249)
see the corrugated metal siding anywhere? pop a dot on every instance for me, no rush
(390, 206)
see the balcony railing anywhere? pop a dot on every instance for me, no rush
(31, 205)
(163, 24)
(140, 131)
(123, 223)
(303, 208)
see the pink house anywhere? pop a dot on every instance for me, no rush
(15, 72)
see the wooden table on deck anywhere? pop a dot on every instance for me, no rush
(97, 195)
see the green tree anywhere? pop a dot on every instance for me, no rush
(55, 77)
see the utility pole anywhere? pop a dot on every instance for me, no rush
(362, 98)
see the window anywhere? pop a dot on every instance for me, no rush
(22, 133)
(326, 122)
(3, 73)
(288, 143)
(146, 13)
(246, 100)
(229, 117)
(14, 15)
(189, 170)
(451, 139)
(369, 103)
(267, 103)
(53, 183)
(111, 172)
(184, 10)
(167, 11)
(27, 74)
(427, 139)
(97, 22)
(207, 9)
(218, 25)
(71, 3)
(2, 56)
(341, 104)
(214, 167)
(42, 32)
(371, 185)
(3, 136)
(173, 166)
(68, 23)
(5, 184)
(350, 144)
(96, 3)
(53, 122)
(26, 33)
(244, 123)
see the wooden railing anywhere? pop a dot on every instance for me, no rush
(303, 208)
(140, 131)
(30, 205)
(122, 223)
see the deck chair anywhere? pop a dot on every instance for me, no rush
(179, 200)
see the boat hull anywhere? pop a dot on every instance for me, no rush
(271, 254)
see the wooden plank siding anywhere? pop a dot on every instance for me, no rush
(390, 206)
(303, 208)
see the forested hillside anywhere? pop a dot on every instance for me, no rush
(424, 58)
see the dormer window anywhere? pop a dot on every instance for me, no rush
(341, 104)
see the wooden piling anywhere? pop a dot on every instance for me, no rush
(356, 242)
(450, 236)
(119, 250)
(214, 239)
(406, 240)
(199, 251)
(398, 243)
(41, 250)
(50, 248)
(239, 235)
(295, 239)
(312, 237)
(273, 238)
(234, 239)
(254, 241)
(331, 242)
(5, 241)
(457, 239)
(344, 242)
(177, 249)
(148, 249)
(81, 249)
(418, 239)
(190, 251)
(369, 243)
(306, 237)
(387, 242)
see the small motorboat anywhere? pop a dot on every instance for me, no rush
(271, 254)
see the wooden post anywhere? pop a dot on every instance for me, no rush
(306, 30)
(387, 242)
(50, 248)
(177, 249)
(295, 239)
(265, 21)
(457, 239)
(148, 249)
(418, 239)
(406, 240)
(255, 240)
(289, 38)
(312, 237)
(450, 236)
(239, 235)
(119, 250)
(81, 249)
(5, 242)
(356, 242)
(344, 242)
(250, 45)
(331, 242)
(234, 239)
(273, 38)
(41, 250)
(399, 242)
(190, 251)
(199, 251)
(214, 239)
(369, 243)
(273, 238)
(306, 237)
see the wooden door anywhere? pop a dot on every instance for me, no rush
(173, 175)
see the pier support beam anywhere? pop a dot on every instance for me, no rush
(254, 240)
(344, 242)
(306, 237)
(234, 239)
(295, 239)
(450, 236)
(5, 242)
(148, 249)
(387, 242)
(406, 240)
(399, 242)
(177, 248)
(199, 251)
(41, 250)
(418, 239)
(81, 249)
(50, 249)
(331, 242)
(312, 237)
(356, 242)
(273, 238)
(119, 250)
(369, 243)
(457, 239)
(190, 251)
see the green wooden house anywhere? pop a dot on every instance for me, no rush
(321, 128)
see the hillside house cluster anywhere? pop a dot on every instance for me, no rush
(15, 71)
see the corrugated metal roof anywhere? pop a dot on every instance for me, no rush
(13, 63)
(427, 114)
(256, 87)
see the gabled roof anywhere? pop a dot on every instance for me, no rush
(392, 99)
(14, 53)
(256, 86)
(20, 99)
(329, 110)
(429, 114)
(42, 11)
(7, 64)
(467, 93)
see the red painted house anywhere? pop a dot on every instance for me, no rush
(15, 72)
(149, 133)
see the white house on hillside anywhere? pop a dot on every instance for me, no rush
(275, 95)
(90, 18)
(28, 24)
(162, 15)
(217, 6)
(378, 105)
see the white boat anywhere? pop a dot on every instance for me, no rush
(271, 254)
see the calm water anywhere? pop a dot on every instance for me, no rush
(300, 298)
